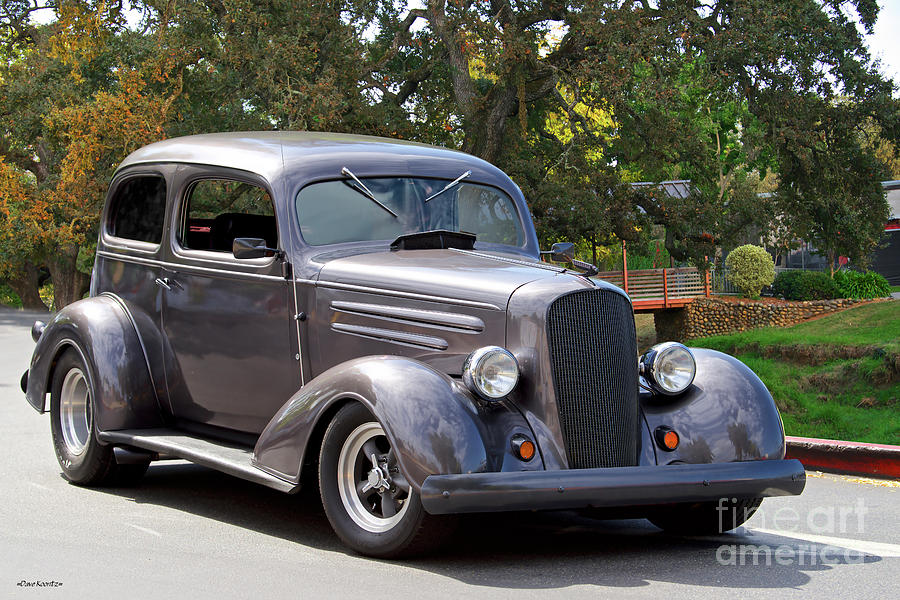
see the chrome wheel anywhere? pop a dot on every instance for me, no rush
(83, 459)
(75, 412)
(373, 491)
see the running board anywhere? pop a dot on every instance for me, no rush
(221, 456)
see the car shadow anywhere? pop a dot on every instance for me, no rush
(531, 550)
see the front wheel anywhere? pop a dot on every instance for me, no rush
(83, 459)
(367, 500)
(705, 518)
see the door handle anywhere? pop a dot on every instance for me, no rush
(164, 283)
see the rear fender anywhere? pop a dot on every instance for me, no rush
(102, 332)
(431, 420)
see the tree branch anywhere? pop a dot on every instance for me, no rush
(463, 88)
(570, 111)
(412, 82)
(402, 31)
(23, 160)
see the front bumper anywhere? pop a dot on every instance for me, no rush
(622, 486)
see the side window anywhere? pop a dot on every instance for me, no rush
(138, 209)
(218, 210)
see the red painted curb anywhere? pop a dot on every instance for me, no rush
(858, 458)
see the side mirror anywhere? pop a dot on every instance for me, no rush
(562, 252)
(251, 248)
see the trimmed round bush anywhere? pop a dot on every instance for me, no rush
(750, 269)
(853, 284)
(806, 285)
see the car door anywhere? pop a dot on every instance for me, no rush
(229, 331)
(127, 258)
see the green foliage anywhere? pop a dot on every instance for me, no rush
(784, 283)
(47, 295)
(835, 200)
(854, 284)
(8, 296)
(805, 285)
(751, 269)
(649, 253)
(575, 101)
(638, 262)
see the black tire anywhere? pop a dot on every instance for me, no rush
(412, 532)
(83, 459)
(705, 518)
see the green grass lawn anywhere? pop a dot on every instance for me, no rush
(835, 377)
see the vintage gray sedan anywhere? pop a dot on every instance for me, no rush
(374, 316)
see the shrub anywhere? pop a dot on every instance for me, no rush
(806, 285)
(784, 284)
(853, 284)
(751, 268)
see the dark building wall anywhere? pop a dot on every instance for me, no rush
(886, 260)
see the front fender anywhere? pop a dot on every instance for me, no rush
(726, 415)
(431, 420)
(100, 329)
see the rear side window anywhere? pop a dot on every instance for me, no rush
(138, 209)
(219, 210)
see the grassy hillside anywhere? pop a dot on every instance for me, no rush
(834, 377)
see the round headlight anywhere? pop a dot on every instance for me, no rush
(669, 367)
(491, 372)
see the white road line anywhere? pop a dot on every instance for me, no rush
(144, 529)
(863, 546)
(157, 517)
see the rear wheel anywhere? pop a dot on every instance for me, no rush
(83, 459)
(705, 518)
(368, 501)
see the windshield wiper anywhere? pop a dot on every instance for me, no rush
(449, 185)
(362, 189)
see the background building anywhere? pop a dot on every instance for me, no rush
(886, 260)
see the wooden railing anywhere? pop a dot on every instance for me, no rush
(659, 288)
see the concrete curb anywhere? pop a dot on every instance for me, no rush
(857, 458)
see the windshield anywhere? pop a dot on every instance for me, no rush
(331, 212)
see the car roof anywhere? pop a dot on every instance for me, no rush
(269, 153)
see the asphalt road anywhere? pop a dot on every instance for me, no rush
(191, 532)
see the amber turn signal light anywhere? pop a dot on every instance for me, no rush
(523, 447)
(666, 438)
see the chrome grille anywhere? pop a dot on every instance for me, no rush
(593, 353)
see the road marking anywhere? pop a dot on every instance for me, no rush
(140, 515)
(39, 486)
(880, 549)
(144, 529)
(886, 483)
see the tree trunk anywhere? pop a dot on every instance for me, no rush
(69, 284)
(485, 130)
(25, 284)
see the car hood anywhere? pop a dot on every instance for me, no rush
(467, 276)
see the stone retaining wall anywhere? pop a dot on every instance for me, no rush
(710, 316)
